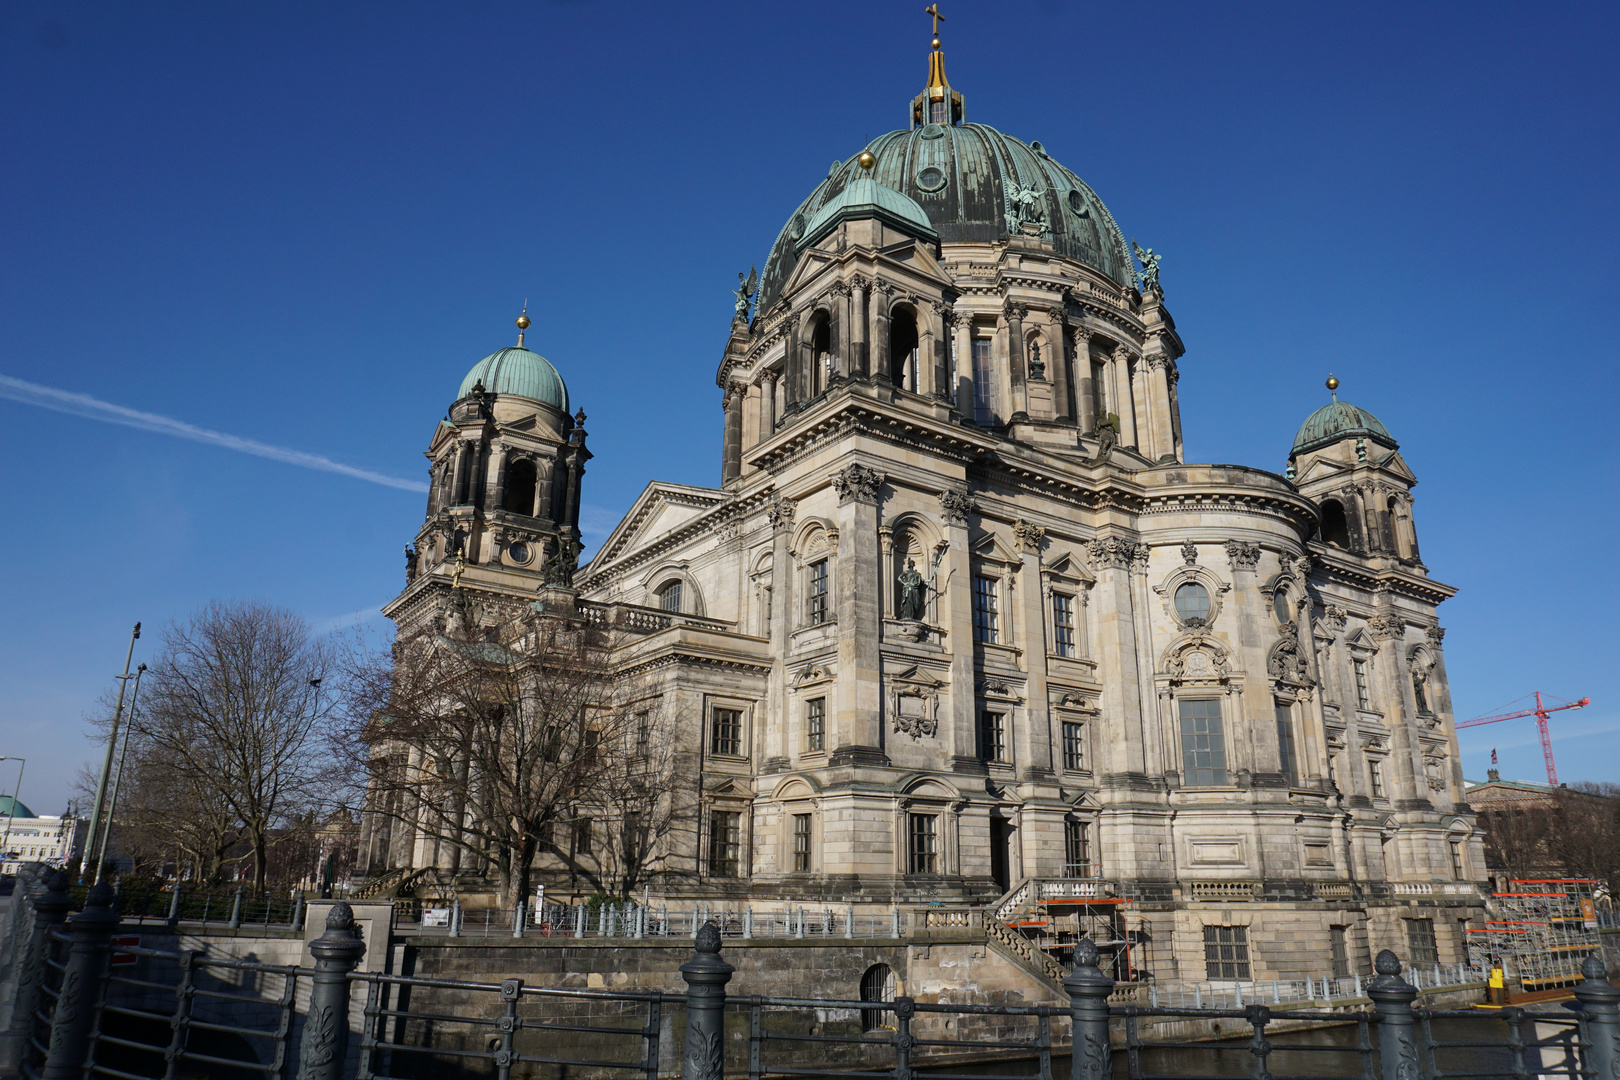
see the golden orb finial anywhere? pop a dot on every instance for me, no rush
(523, 323)
(1333, 385)
(866, 159)
(935, 42)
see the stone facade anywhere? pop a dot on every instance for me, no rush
(983, 623)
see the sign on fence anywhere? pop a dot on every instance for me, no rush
(124, 959)
(435, 916)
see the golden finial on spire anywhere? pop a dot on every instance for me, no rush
(866, 159)
(523, 323)
(1333, 385)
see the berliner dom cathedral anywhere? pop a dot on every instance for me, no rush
(963, 620)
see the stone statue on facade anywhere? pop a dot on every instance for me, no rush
(744, 292)
(913, 592)
(563, 563)
(1026, 209)
(410, 564)
(1107, 435)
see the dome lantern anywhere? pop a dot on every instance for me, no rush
(938, 103)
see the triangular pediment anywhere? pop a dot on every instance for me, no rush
(1396, 464)
(990, 546)
(1068, 566)
(915, 258)
(916, 676)
(811, 263)
(659, 509)
(1321, 469)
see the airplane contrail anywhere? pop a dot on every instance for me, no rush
(48, 397)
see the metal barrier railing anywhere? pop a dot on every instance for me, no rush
(87, 1018)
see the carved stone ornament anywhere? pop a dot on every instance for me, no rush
(857, 483)
(1189, 553)
(1335, 618)
(1384, 627)
(813, 673)
(1027, 536)
(1286, 663)
(955, 506)
(1435, 634)
(1113, 553)
(727, 530)
(780, 513)
(916, 712)
(1243, 555)
(997, 688)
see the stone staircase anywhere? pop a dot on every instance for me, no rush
(401, 879)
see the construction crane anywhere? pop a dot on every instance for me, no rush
(1540, 713)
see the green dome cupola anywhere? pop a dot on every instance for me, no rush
(518, 372)
(1340, 420)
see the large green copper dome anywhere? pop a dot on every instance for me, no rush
(1340, 420)
(964, 178)
(519, 372)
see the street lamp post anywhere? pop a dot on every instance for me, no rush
(118, 776)
(106, 765)
(5, 845)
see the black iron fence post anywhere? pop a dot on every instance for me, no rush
(1397, 1034)
(50, 909)
(1088, 991)
(325, 1044)
(706, 976)
(1599, 998)
(75, 1013)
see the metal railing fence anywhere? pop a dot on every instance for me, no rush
(91, 1019)
(629, 919)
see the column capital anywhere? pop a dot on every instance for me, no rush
(857, 483)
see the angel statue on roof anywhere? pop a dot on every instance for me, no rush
(1150, 267)
(744, 292)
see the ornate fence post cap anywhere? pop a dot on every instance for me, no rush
(1594, 969)
(1596, 989)
(55, 899)
(1086, 977)
(1389, 986)
(98, 913)
(341, 941)
(706, 957)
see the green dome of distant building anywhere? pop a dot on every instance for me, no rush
(1340, 420)
(10, 807)
(518, 372)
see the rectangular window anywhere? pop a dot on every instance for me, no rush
(1074, 752)
(1420, 941)
(1287, 758)
(801, 842)
(726, 737)
(1339, 951)
(582, 837)
(984, 384)
(1076, 850)
(816, 596)
(986, 610)
(1363, 698)
(993, 736)
(922, 848)
(815, 724)
(643, 733)
(1226, 952)
(725, 843)
(1459, 868)
(1203, 748)
(1063, 624)
(1375, 777)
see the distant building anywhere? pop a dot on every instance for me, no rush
(26, 837)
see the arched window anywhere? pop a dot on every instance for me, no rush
(521, 479)
(1392, 528)
(820, 355)
(903, 348)
(669, 596)
(876, 985)
(1335, 527)
(1192, 602)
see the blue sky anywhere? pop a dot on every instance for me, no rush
(293, 227)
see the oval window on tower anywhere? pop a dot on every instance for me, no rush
(1077, 205)
(931, 179)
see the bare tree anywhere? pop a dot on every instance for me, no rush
(233, 720)
(1586, 836)
(503, 743)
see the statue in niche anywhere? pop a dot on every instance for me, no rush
(913, 593)
(1037, 366)
(562, 564)
(456, 543)
(1420, 681)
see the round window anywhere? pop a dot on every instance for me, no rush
(931, 179)
(1192, 602)
(1076, 203)
(1283, 608)
(797, 228)
(518, 552)
(931, 131)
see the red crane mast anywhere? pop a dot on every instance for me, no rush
(1540, 712)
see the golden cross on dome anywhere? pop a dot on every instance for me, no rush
(933, 9)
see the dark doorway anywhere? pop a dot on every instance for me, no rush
(521, 480)
(1000, 845)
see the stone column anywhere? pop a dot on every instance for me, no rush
(1059, 368)
(498, 488)
(458, 486)
(780, 516)
(879, 350)
(1016, 374)
(1255, 736)
(731, 444)
(1121, 397)
(964, 364)
(856, 731)
(928, 339)
(1032, 744)
(480, 473)
(1120, 749)
(767, 405)
(1164, 444)
(858, 327)
(570, 514)
(543, 475)
(1085, 392)
(959, 729)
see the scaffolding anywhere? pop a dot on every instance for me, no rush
(1059, 923)
(1544, 928)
